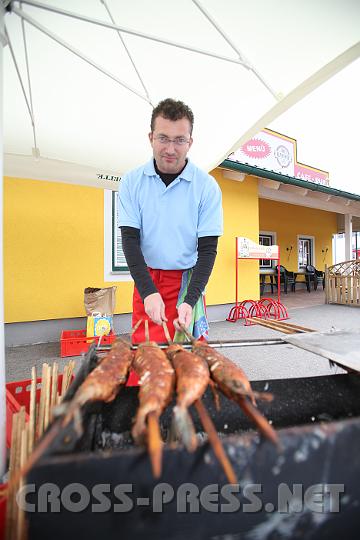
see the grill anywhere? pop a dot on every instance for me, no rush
(319, 428)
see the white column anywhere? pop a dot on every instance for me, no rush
(2, 345)
(348, 236)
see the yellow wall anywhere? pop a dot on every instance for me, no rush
(241, 218)
(53, 248)
(289, 221)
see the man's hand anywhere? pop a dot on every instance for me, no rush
(155, 308)
(184, 318)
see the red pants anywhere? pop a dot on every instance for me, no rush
(168, 283)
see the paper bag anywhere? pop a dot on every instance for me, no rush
(101, 301)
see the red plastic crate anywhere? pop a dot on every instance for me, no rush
(75, 342)
(18, 395)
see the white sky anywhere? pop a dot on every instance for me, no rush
(326, 125)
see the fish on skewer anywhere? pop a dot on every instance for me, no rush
(102, 384)
(105, 381)
(235, 385)
(192, 379)
(156, 381)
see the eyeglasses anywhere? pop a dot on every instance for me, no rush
(178, 141)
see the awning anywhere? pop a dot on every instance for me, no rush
(91, 72)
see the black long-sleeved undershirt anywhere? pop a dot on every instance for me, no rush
(207, 249)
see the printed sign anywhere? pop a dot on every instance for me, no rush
(303, 172)
(275, 152)
(268, 150)
(247, 249)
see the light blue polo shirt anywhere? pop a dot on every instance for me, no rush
(170, 219)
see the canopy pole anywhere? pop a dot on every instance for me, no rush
(105, 24)
(35, 150)
(28, 104)
(2, 342)
(67, 46)
(246, 62)
(127, 50)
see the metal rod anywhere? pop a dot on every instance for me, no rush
(220, 30)
(29, 84)
(217, 344)
(128, 31)
(19, 76)
(127, 50)
(56, 38)
(243, 60)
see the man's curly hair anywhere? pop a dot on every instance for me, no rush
(172, 110)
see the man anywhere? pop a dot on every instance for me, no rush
(170, 216)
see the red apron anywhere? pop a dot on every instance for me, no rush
(168, 283)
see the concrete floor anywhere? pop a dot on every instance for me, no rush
(259, 363)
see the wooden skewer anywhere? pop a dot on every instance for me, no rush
(20, 427)
(167, 333)
(292, 326)
(69, 374)
(136, 326)
(155, 444)
(37, 410)
(147, 335)
(32, 410)
(47, 397)
(40, 426)
(63, 385)
(54, 386)
(38, 451)
(189, 336)
(295, 326)
(262, 423)
(12, 468)
(15, 509)
(271, 325)
(215, 442)
(281, 326)
(72, 370)
(21, 524)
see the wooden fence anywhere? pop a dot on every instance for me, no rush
(342, 283)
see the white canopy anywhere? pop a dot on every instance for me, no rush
(238, 64)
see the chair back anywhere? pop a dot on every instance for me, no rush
(310, 269)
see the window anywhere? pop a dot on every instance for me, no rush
(115, 269)
(266, 239)
(356, 245)
(305, 251)
(118, 263)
